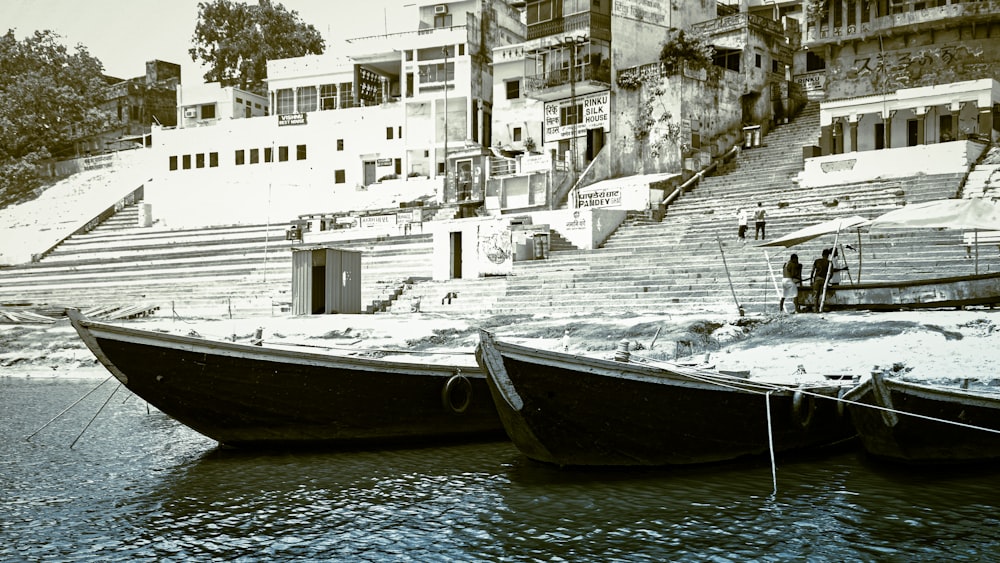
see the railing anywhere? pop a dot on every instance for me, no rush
(693, 181)
(598, 24)
(858, 19)
(561, 77)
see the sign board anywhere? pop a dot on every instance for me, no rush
(291, 119)
(383, 162)
(370, 221)
(611, 197)
(596, 110)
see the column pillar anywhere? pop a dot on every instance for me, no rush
(838, 136)
(826, 140)
(888, 128)
(985, 127)
(956, 115)
(921, 118)
(853, 124)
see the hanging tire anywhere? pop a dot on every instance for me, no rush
(457, 394)
(803, 408)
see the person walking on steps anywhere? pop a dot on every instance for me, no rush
(760, 221)
(742, 220)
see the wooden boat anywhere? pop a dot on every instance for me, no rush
(913, 423)
(955, 291)
(568, 410)
(245, 395)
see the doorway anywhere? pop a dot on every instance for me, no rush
(879, 136)
(455, 268)
(911, 133)
(369, 166)
(595, 141)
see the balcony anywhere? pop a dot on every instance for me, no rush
(555, 85)
(856, 22)
(597, 26)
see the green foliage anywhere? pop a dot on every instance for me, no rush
(49, 96)
(235, 41)
(683, 49)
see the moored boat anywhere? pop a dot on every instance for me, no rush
(261, 395)
(944, 292)
(568, 410)
(925, 424)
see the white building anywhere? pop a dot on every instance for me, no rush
(374, 109)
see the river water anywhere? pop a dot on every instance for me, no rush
(133, 485)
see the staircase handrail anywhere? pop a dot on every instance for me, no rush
(696, 179)
(571, 193)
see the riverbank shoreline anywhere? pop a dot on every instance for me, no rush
(939, 346)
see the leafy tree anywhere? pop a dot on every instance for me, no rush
(236, 40)
(49, 97)
(684, 49)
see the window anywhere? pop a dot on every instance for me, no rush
(516, 134)
(239, 100)
(282, 154)
(306, 99)
(513, 89)
(340, 144)
(399, 132)
(814, 62)
(254, 156)
(199, 160)
(328, 96)
(256, 105)
(436, 73)
(240, 157)
(575, 6)
(268, 154)
(173, 163)
(208, 111)
(570, 115)
(388, 132)
(540, 12)
(346, 96)
(300, 152)
(442, 20)
(285, 101)
(187, 162)
(397, 166)
(213, 160)
(757, 60)
(339, 177)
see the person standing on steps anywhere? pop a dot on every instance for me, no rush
(791, 278)
(742, 220)
(821, 268)
(760, 221)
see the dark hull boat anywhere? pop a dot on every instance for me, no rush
(956, 291)
(246, 395)
(572, 410)
(924, 424)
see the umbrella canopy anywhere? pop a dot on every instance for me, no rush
(819, 229)
(968, 213)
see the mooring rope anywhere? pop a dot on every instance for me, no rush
(93, 418)
(770, 442)
(65, 410)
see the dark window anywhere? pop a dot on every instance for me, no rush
(239, 100)
(187, 162)
(300, 152)
(213, 160)
(208, 111)
(814, 62)
(282, 154)
(570, 115)
(757, 60)
(398, 166)
(340, 144)
(268, 154)
(240, 157)
(513, 89)
(254, 156)
(199, 160)
(442, 20)
(339, 177)
(516, 134)
(540, 12)
(388, 132)
(173, 163)
(399, 132)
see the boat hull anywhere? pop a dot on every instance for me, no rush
(911, 439)
(245, 395)
(569, 410)
(957, 291)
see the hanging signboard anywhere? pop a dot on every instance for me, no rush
(594, 111)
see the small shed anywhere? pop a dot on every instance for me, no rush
(325, 280)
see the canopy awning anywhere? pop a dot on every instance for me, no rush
(819, 229)
(967, 213)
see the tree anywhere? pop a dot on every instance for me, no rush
(49, 97)
(236, 40)
(685, 49)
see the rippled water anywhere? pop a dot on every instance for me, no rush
(136, 486)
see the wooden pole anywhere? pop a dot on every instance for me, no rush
(731, 288)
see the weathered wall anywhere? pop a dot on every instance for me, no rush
(639, 27)
(927, 58)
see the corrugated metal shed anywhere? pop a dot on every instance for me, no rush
(325, 280)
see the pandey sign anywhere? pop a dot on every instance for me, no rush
(595, 110)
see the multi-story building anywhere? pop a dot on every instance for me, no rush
(386, 108)
(133, 106)
(207, 104)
